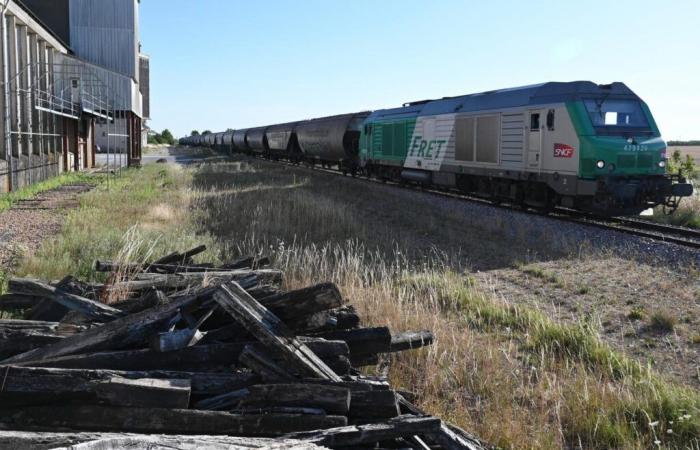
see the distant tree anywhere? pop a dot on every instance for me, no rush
(194, 133)
(155, 139)
(683, 143)
(229, 129)
(206, 132)
(167, 137)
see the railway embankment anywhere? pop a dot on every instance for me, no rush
(533, 336)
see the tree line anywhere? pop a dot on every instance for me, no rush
(164, 137)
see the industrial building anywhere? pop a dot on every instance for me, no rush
(74, 81)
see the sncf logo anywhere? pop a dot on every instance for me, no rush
(563, 151)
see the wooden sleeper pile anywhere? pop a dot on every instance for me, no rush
(197, 355)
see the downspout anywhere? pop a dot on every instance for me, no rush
(6, 93)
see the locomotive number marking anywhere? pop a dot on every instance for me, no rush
(563, 151)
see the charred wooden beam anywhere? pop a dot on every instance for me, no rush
(18, 301)
(149, 299)
(301, 303)
(33, 440)
(90, 308)
(160, 420)
(357, 435)
(24, 386)
(133, 268)
(16, 341)
(116, 334)
(177, 257)
(195, 358)
(183, 280)
(270, 330)
(410, 340)
(144, 392)
(332, 399)
(263, 365)
(200, 357)
(203, 383)
(362, 341)
(373, 405)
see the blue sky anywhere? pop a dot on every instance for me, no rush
(218, 64)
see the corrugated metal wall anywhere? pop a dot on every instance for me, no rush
(105, 32)
(119, 90)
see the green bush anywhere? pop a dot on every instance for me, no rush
(677, 164)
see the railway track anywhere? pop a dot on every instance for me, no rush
(685, 237)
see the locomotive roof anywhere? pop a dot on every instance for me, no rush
(536, 94)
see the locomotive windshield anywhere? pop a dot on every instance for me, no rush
(611, 116)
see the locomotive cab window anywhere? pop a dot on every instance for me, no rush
(550, 120)
(535, 122)
(617, 116)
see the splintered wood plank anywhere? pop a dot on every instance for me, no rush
(351, 436)
(410, 340)
(144, 392)
(116, 334)
(89, 308)
(26, 386)
(161, 420)
(119, 441)
(270, 331)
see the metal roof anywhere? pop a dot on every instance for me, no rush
(536, 94)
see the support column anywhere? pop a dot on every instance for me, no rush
(55, 124)
(5, 152)
(37, 162)
(42, 89)
(64, 144)
(129, 141)
(13, 89)
(24, 98)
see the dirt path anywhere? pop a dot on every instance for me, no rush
(29, 222)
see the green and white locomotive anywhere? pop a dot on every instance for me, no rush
(579, 145)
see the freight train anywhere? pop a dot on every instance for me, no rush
(580, 145)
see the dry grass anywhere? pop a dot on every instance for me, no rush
(507, 373)
(144, 212)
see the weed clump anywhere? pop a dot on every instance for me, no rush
(662, 322)
(637, 313)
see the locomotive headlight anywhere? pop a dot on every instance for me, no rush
(662, 163)
(600, 164)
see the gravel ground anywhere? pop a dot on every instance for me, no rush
(545, 235)
(29, 222)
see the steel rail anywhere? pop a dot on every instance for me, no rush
(686, 237)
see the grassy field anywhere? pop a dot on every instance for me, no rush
(692, 150)
(507, 372)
